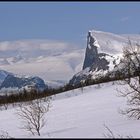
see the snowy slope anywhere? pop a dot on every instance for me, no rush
(111, 43)
(77, 114)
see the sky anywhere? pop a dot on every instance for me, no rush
(66, 21)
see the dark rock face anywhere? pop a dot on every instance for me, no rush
(12, 81)
(91, 52)
(83, 75)
(93, 59)
(100, 63)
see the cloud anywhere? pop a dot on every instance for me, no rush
(35, 47)
(53, 45)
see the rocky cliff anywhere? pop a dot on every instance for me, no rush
(95, 62)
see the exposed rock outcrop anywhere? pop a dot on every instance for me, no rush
(91, 51)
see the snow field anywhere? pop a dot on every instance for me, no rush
(77, 114)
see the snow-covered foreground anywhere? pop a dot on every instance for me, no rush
(77, 114)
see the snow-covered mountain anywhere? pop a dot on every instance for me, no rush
(50, 60)
(103, 53)
(10, 81)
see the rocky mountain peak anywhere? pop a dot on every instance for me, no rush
(95, 62)
(91, 51)
(93, 59)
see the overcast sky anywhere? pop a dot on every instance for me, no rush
(66, 21)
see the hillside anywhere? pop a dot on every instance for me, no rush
(77, 114)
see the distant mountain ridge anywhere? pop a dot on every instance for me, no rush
(10, 80)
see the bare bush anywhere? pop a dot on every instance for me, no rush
(33, 115)
(131, 65)
(4, 135)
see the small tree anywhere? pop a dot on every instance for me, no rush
(33, 115)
